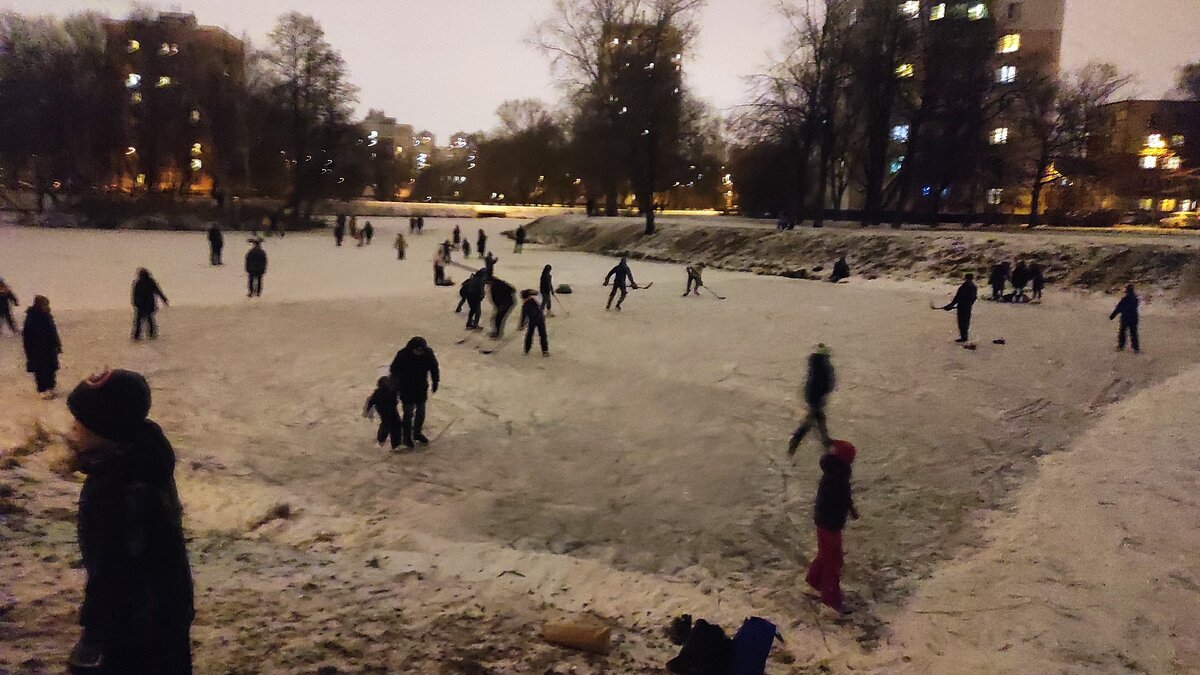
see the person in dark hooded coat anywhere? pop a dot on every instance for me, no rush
(42, 346)
(504, 296)
(471, 294)
(412, 370)
(383, 401)
(841, 270)
(532, 316)
(819, 385)
(834, 503)
(146, 294)
(138, 602)
(621, 277)
(1127, 309)
(546, 290)
(216, 243)
(256, 268)
(963, 302)
(519, 237)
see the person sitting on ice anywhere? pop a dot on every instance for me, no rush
(834, 503)
(841, 270)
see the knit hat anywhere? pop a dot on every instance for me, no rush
(843, 450)
(112, 404)
(823, 349)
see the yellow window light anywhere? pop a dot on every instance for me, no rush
(1010, 44)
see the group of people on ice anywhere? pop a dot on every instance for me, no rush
(1019, 275)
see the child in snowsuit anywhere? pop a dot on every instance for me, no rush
(383, 401)
(833, 504)
(532, 316)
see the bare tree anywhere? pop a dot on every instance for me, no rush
(1189, 81)
(621, 63)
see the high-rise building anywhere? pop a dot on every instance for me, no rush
(1149, 150)
(1030, 31)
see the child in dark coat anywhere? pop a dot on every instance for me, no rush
(383, 401)
(532, 316)
(834, 503)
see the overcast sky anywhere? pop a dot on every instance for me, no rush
(445, 65)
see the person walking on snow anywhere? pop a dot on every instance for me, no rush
(39, 336)
(383, 401)
(1020, 279)
(532, 316)
(138, 600)
(520, 239)
(997, 279)
(446, 251)
(457, 235)
(1038, 280)
(489, 264)
(466, 249)
(834, 503)
(481, 242)
(8, 300)
(695, 279)
(546, 288)
(412, 370)
(621, 277)
(368, 232)
(400, 246)
(1127, 309)
(503, 299)
(963, 301)
(339, 230)
(256, 267)
(216, 243)
(817, 388)
(146, 294)
(471, 294)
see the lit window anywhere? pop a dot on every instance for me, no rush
(197, 165)
(1174, 163)
(1010, 43)
(1145, 204)
(133, 46)
(197, 149)
(977, 11)
(141, 179)
(1168, 205)
(999, 136)
(195, 117)
(938, 12)
(911, 8)
(135, 98)
(1156, 142)
(133, 80)
(905, 70)
(900, 133)
(896, 164)
(164, 50)
(1006, 74)
(163, 81)
(1177, 141)
(1150, 162)
(995, 196)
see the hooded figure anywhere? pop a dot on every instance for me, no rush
(411, 371)
(520, 239)
(8, 300)
(817, 388)
(841, 270)
(1127, 309)
(504, 296)
(256, 267)
(42, 346)
(546, 289)
(620, 276)
(383, 401)
(834, 504)
(532, 316)
(146, 294)
(216, 242)
(137, 606)
(963, 301)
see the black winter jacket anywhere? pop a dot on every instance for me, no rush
(411, 373)
(531, 313)
(1127, 309)
(256, 261)
(503, 294)
(131, 539)
(965, 298)
(40, 337)
(146, 293)
(834, 499)
(820, 379)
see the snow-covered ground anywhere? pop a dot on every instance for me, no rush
(637, 473)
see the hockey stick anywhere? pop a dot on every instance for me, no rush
(503, 343)
(718, 295)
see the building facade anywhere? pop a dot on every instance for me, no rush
(1150, 152)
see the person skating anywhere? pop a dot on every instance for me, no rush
(998, 279)
(533, 318)
(1127, 309)
(138, 600)
(471, 294)
(39, 336)
(368, 232)
(481, 243)
(1020, 279)
(489, 263)
(503, 299)
(401, 246)
(834, 503)
(817, 387)
(411, 371)
(546, 290)
(446, 248)
(841, 270)
(457, 234)
(412, 225)
(216, 243)
(964, 301)
(520, 239)
(339, 230)
(621, 277)
(145, 296)
(383, 401)
(466, 249)
(8, 300)
(1037, 279)
(695, 279)
(256, 267)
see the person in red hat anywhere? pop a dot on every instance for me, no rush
(834, 504)
(137, 604)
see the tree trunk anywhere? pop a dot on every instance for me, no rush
(1035, 198)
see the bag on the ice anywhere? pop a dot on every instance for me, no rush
(751, 647)
(563, 289)
(706, 651)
